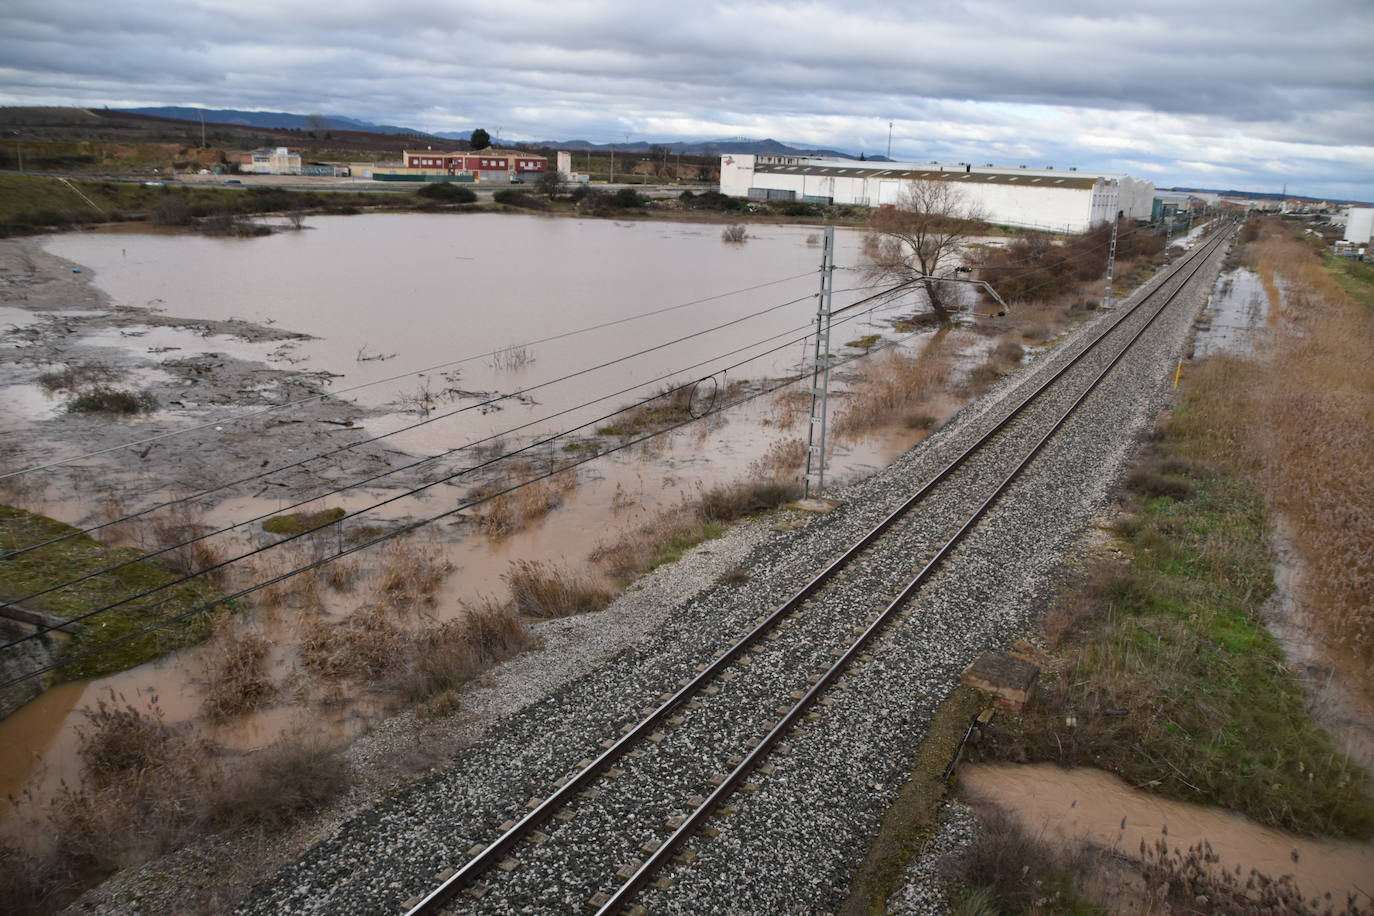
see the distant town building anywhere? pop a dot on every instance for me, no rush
(489, 166)
(271, 161)
(1060, 201)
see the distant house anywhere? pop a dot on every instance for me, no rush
(499, 166)
(271, 161)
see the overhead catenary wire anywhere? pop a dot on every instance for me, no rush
(382, 381)
(41, 630)
(413, 526)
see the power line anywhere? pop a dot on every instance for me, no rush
(443, 416)
(41, 630)
(342, 391)
(406, 529)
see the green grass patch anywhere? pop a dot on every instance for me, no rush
(865, 343)
(1174, 682)
(298, 522)
(1355, 277)
(676, 546)
(81, 554)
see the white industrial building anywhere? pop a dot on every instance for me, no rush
(1359, 225)
(1060, 201)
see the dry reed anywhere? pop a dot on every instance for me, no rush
(547, 590)
(237, 679)
(891, 386)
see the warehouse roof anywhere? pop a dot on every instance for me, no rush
(1040, 180)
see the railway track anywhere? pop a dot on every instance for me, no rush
(616, 821)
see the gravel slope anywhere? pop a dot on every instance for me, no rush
(824, 800)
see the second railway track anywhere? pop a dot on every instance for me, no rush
(605, 827)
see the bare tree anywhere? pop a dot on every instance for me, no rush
(924, 232)
(549, 183)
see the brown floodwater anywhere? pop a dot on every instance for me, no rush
(424, 290)
(1076, 806)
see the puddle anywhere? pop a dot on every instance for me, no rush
(1067, 807)
(1235, 316)
(12, 319)
(29, 403)
(1341, 709)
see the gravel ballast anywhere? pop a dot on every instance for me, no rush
(791, 843)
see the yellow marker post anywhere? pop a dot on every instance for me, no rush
(1178, 372)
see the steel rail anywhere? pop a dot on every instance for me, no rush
(494, 852)
(697, 818)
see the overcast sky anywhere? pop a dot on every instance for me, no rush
(1214, 93)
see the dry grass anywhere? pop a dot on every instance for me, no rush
(446, 657)
(368, 645)
(148, 788)
(728, 502)
(237, 679)
(410, 570)
(272, 788)
(505, 513)
(784, 459)
(547, 590)
(179, 524)
(1308, 416)
(892, 386)
(1192, 881)
(1007, 870)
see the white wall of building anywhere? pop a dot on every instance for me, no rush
(1359, 224)
(1066, 209)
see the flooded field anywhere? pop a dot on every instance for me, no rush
(380, 297)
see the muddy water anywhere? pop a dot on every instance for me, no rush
(431, 290)
(1236, 314)
(1069, 807)
(423, 290)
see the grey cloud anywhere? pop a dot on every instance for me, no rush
(1266, 70)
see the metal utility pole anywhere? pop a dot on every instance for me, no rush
(820, 378)
(1111, 269)
(202, 130)
(612, 181)
(889, 140)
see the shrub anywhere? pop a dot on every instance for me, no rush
(546, 590)
(735, 233)
(171, 210)
(514, 198)
(102, 399)
(453, 653)
(447, 192)
(273, 787)
(237, 680)
(732, 501)
(627, 198)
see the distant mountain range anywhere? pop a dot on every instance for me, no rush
(281, 120)
(276, 120)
